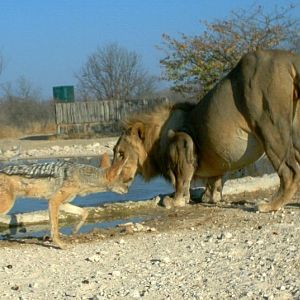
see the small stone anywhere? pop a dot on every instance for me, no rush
(15, 287)
(228, 235)
(135, 294)
(33, 285)
(138, 227)
(67, 148)
(55, 148)
(70, 294)
(94, 258)
(128, 229)
(116, 273)
(125, 224)
(9, 153)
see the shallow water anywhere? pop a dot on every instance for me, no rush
(39, 231)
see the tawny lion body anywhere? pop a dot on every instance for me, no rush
(59, 183)
(254, 109)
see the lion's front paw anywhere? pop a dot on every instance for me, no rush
(180, 202)
(266, 207)
(208, 198)
(167, 202)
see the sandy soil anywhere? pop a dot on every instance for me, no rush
(226, 251)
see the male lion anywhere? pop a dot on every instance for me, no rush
(253, 110)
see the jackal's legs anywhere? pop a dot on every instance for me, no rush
(54, 205)
(72, 209)
(7, 198)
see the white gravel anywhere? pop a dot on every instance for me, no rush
(252, 256)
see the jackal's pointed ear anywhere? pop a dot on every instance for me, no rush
(138, 129)
(105, 161)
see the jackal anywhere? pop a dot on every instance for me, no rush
(59, 183)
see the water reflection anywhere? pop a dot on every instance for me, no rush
(39, 231)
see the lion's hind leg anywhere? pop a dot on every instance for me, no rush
(213, 190)
(282, 145)
(289, 174)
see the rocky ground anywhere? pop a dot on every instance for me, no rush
(12, 150)
(227, 251)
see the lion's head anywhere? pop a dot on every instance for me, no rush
(131, 151)
(144, 141)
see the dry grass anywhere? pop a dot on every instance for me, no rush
(33, 128)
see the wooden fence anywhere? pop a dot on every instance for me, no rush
(98, 116)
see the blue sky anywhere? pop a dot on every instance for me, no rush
(47, 41)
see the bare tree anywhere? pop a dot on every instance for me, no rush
(23, 90)
(21, 105)
(196, 63)
(113, 72)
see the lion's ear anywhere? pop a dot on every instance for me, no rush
(138, 129)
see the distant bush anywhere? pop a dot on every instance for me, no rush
(19, 116)
(194, 64)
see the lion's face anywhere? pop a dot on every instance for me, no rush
(129, 152)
